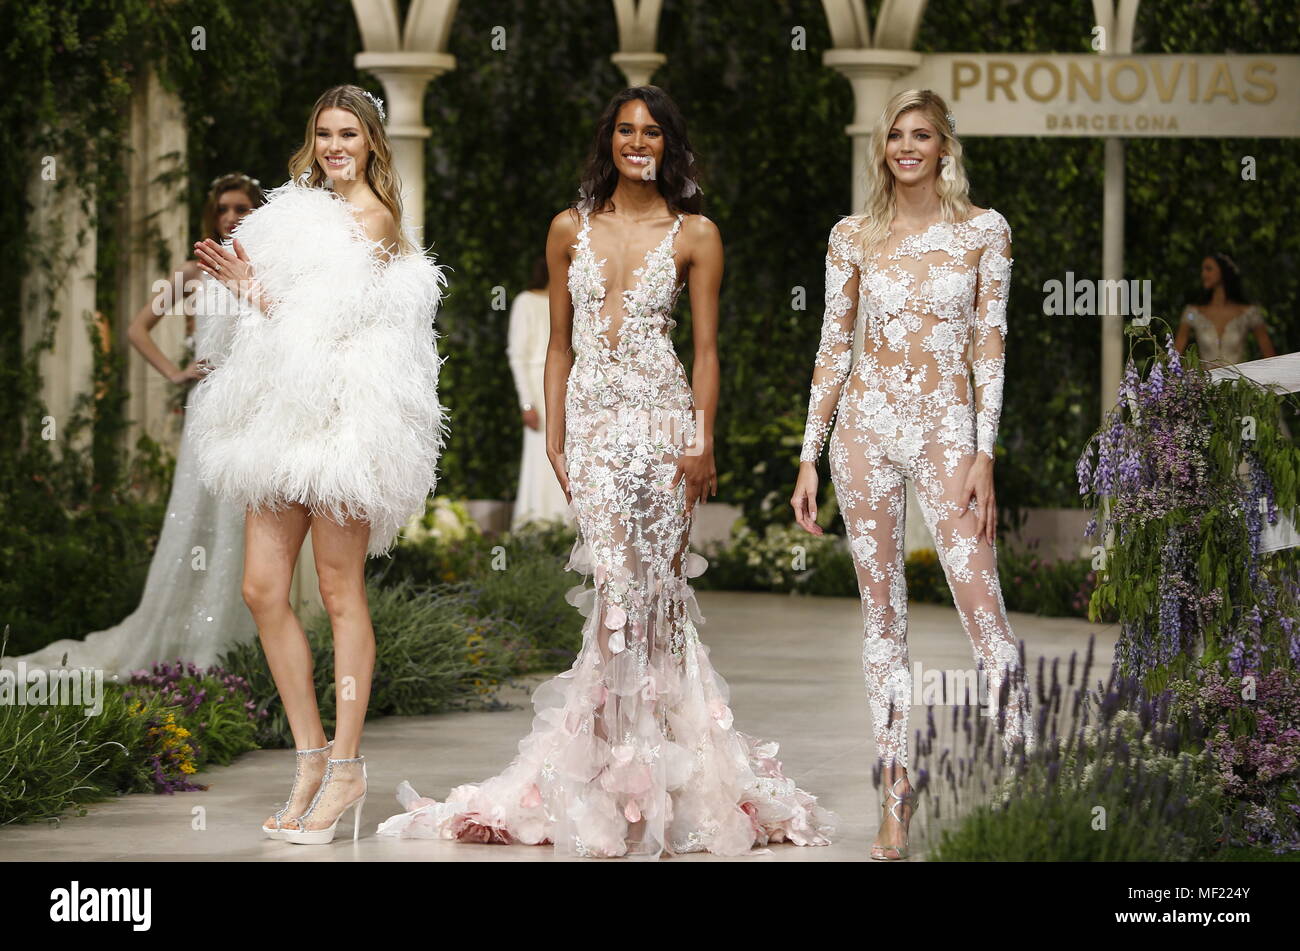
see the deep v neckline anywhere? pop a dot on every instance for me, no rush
(598, 265)
(1232, 320)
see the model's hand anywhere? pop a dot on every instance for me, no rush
(701, 478)
(804, 500)
(978, 493)
(195, 371)
(232, 269)
(531, 419)
(561, 467)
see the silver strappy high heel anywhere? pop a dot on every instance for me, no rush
(275, 831)
(892, 801)
(326, 797)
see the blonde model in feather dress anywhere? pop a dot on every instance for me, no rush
(323, 415)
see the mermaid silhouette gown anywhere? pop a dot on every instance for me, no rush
(632, 751)
(192, 607)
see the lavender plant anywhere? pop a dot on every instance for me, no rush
(1114, 776)
(1183, 474)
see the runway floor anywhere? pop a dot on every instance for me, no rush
(795, 672)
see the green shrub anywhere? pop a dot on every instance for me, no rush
(433, 652)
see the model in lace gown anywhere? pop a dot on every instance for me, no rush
(191, 607)
(1222, 319)
(925, 293)
(632, 751)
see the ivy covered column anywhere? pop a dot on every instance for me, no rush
(155, 220)
(58, 297)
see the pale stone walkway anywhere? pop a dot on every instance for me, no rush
(795, 670)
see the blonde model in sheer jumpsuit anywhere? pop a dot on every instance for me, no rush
(927, 288)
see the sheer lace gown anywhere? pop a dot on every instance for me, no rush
(909, 412)
(632, 750)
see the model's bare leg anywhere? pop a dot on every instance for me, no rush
(272, 541)
(340, 550)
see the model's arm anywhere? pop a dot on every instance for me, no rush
(992, 288)
(563, 234)
(1266, 348)
(704, 279)
(704, 264)
(1184, 330)
(146, 318)
(835, 353)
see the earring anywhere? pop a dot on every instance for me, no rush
(949, 173)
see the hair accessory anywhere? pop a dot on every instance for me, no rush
(239, 175)
(379, 104)
(952, 122)
(1229, 261)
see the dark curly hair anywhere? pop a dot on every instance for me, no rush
(677, 175)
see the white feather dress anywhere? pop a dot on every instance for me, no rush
(330, 400)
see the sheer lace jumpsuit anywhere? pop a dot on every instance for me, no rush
(909, 412)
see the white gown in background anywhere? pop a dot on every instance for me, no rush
(539, 495)
(1226, 348)
(192, 607)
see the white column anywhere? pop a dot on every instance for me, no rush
(638, 67)
(1117, 19)
(1112, 269)
(154, 214)
(406, 76)
(58, 303)
(638, 35)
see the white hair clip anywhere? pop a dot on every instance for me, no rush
(952, 122)
(379, 104)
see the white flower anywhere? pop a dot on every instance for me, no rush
(878, 651)
(941, 338)
(912, 440)
(895, 333)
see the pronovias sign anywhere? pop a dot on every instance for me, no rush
(1094, 95)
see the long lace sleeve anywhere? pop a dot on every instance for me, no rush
(835, 353)
(990, 321)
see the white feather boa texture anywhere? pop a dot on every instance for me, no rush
(331, 400)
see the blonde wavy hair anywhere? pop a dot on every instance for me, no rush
(380, 174)
(953, 187)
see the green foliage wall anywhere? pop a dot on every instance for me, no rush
(511, 127)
